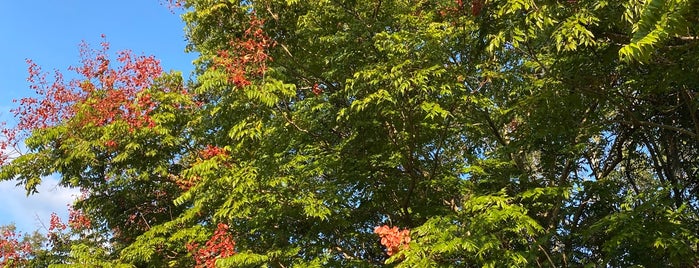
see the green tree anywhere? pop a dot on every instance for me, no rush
(402, 132)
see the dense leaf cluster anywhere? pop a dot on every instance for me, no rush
(493, 133)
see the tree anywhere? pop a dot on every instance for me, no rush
(114, 133)
(404, 132)
(13, 251)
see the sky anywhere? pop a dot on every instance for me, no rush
(49, 32)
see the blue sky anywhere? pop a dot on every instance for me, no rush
(49, 32)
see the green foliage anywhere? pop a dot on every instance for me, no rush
(500, 133)
(658, 20)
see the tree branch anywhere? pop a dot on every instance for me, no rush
(639, 123)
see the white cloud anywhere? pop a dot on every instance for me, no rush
(27, 212)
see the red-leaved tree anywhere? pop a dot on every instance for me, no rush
(91, 131)
(13, 253)
(100, 93)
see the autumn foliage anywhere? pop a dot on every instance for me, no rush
(77, 220)
(247, 57)
(101, 94)
(220, 245)
(108, 101)
(13, 252)
(393, 238)
(55, 223)
(212, 151)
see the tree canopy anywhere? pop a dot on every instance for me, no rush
(407, 133)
